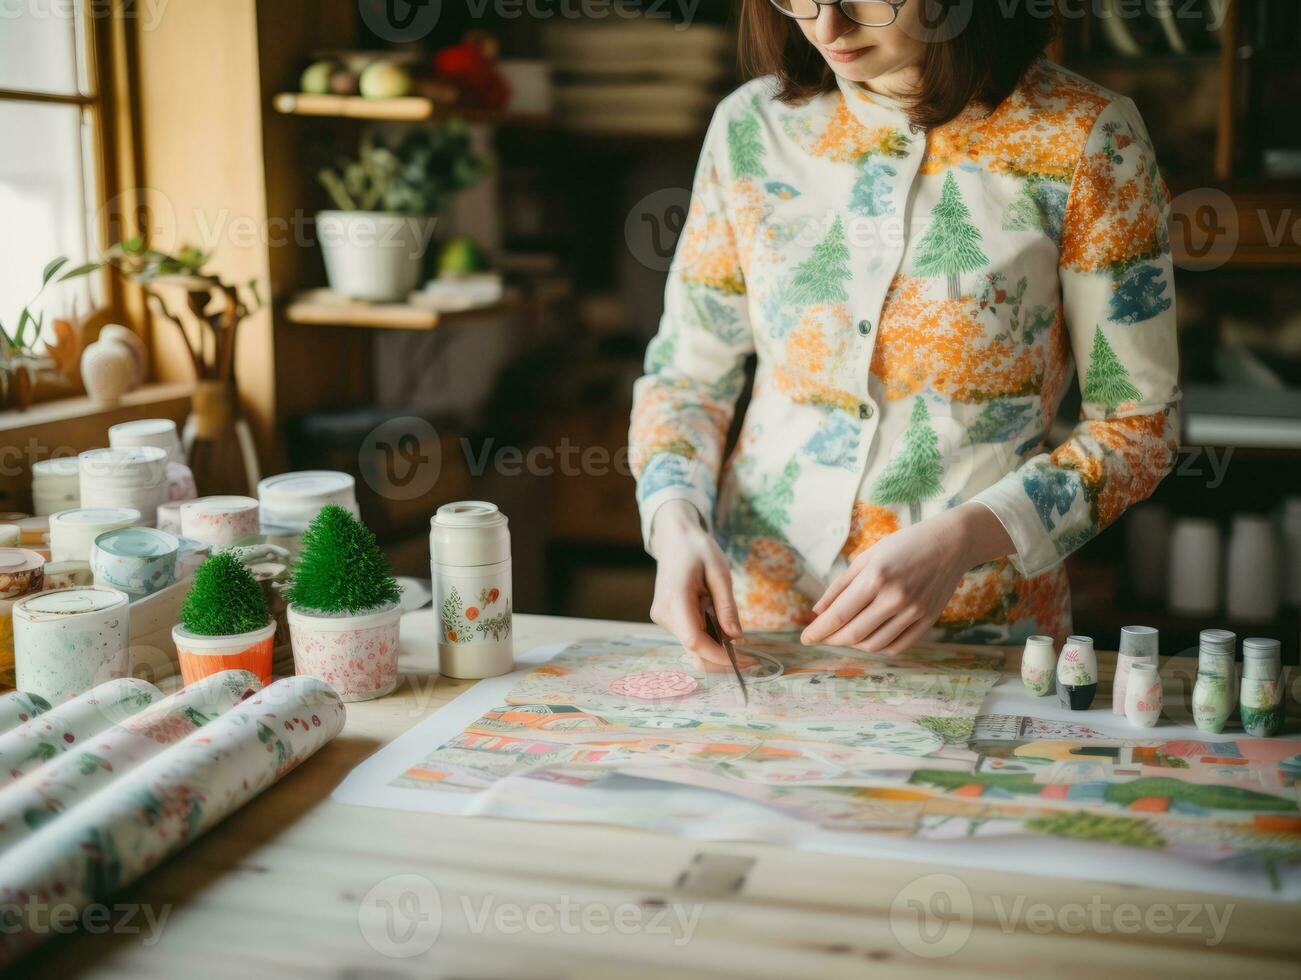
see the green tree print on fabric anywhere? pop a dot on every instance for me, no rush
(745, 147)
(659, 352)
(1139, 294)
(821, 277)
(1107, 382)
(999, 421)
(951, 246)
(767, 513)
(914, 474)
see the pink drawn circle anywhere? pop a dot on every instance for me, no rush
(655, 685)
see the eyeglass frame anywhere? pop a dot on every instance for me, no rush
(894, 5)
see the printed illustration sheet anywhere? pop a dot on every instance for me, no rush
(860, 754)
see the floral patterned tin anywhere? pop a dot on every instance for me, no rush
(67, 641)
(21, 571)
(138, 560)
(220, 521)
(356, 655)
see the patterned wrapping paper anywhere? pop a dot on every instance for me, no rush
(16, 708)
(34, 743)
(134, 823)
(42, 795)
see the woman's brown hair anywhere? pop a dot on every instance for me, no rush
(981, 63)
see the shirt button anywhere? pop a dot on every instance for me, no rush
(865, 411)
(865, 327)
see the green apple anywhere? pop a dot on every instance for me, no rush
(316, 78)
(460, 257)
(384, 80)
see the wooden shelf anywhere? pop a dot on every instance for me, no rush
(322, 308)
(411, 108)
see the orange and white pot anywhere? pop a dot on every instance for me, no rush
(202, 656)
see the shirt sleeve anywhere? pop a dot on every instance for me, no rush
(695, 365)
(1117, 282)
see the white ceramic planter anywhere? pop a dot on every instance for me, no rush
(67, 642)
(355, 655)
(1077, 674)
(374, 255)
(220, 521)
(202, 656)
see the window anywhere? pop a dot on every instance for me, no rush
(53, 164)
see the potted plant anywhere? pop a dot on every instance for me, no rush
(343, 608)
(19, 360)
(224, 622)
(387, 202)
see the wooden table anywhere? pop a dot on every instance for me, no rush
(282, 888)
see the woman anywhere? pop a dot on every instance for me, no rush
(916, 228)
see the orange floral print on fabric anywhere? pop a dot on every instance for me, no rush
(978, 598)
(659, 426)
(764, 587)
(845, 139)
(868, 524)
(1109, 224)
(928, 340)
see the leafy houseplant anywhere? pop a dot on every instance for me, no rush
(387, 200)
(18, 354)
(224, 622)
(343, 608)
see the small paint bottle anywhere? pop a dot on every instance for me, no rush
(1212, 694)
(1038, 665)
(1077, 674)
(1137, 644)
(469, 557)
(1260, 696)
(1144, 697)
(1213, 645)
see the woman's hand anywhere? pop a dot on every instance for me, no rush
(894, 591)
(691, 567)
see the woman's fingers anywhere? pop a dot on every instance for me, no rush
(846, 606)
(889, 631)
(878, 613)
(838, 586)
(908, 638)
(718, 578)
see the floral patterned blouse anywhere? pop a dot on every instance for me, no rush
(916, 300)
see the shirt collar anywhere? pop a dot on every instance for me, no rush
(870, 108)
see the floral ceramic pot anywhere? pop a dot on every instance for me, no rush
(203, 656)
(1038, 665)
(357, 655)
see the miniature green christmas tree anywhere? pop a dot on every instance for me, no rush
(225, 599)
(341, 568)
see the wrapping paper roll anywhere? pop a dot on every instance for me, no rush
(42, 795)
(128, 827)
(17, 708)
(56, 731)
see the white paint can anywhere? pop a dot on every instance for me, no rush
(469, 558)
(70, 640)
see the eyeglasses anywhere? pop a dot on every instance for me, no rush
(867, 13)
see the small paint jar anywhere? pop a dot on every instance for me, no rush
(56, 485)
(469, 556)
(1216, 653)
(1144, 695)
(159, 433)
(294, 499)
(1038, 665)
(220, 521)
(73, 532)
(202, 656)
(1137, 644)
(138, 560)
(71, 640)
(21, 571)
(68, 575)
(357, 655)
(134, 477)
(1260, 695)
(11, 536)
(1212, 702)
(1077, 674)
